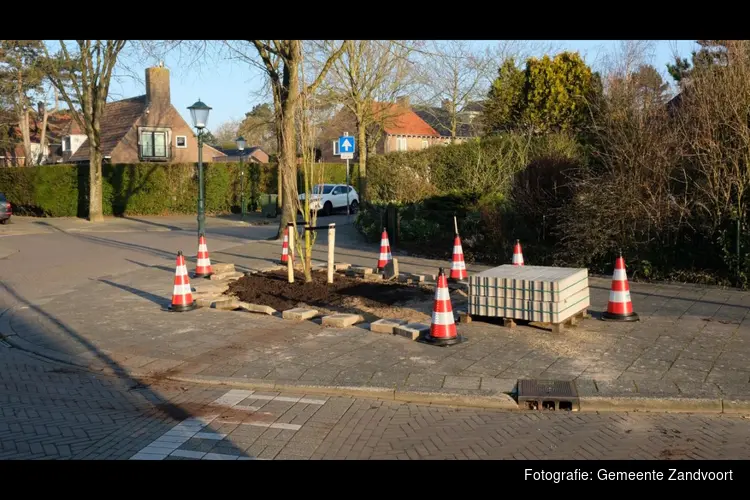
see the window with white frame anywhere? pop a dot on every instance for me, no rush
(154, 143)
(181, 141)
(425, 144)
(401, 144)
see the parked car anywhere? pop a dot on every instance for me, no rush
(330, 197)
(5, 209)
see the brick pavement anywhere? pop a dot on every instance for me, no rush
(50, 411)
(692, 341)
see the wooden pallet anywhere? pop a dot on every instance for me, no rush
(465, 317)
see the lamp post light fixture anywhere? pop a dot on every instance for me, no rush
(199, 114)
(241, 147)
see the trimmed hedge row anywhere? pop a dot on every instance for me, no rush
(144, 189)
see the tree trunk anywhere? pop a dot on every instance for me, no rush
(95, 183)
(288, 153)
(279, 147)
(362, 138)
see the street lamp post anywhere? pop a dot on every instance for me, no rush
(241, 147)
(199, 114)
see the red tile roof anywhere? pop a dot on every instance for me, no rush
(398, 120)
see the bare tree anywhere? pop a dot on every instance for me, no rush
(368, 71)
(82, 77)
(455, 73)
(20, 80)
(281, 60)
(714, 124)
(227, 131)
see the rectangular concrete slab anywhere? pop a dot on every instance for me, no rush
(359, 271)
(341, 266)
(412, 331)
(257, 308)
(342, 320)
(227, 304)
(539, 283)
(386, 325)
(227, 276)
(299, 314)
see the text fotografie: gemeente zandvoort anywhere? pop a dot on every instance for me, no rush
(608, 475)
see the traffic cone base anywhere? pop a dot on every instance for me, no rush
(443, 342)
(182, 308)
(608, 316)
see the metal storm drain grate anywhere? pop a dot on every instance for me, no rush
(548, 395)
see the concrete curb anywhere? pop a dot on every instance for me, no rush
(659, 404)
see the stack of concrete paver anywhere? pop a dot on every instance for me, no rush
(532, 293)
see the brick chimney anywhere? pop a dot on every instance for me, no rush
(157, 85)
(403, 101)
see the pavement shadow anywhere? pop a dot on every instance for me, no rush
(156, 299)
(151, 266)
(138, 391)
(151, 223)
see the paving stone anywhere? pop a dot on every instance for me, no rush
(359, 271)
(506, 385)
(226, 276)
(391, 269)
(225, 304)
(454, 382)
(257, 308)
(386, 325)
(412, 331)
(299, 314)
(221, 268)
(342, 320)
(341, 266)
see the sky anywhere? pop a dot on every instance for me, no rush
(233, 87)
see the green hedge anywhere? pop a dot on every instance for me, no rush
(146, 188)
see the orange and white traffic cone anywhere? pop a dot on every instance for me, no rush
(285, 247)
(443, 327)
(458, 266)
(182, 296)
(203, 266)
(385, 251)
(517, 254)
(620, 307)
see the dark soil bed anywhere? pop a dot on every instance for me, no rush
(273, 289)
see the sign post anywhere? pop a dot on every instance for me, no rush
(346, 150)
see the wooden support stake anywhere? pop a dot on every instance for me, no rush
(455, 223)
(290, 260)
(331, 246)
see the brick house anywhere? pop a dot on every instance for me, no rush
(468, 123)
(252, 154)
(146, 128)
(396, 128)
(12, 152)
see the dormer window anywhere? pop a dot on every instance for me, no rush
(154, 143)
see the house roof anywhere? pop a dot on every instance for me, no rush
(399, 120)
(235, 152)
(474, 106)
(118, 118)
(439, 119)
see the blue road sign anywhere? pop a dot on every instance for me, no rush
(346, 144)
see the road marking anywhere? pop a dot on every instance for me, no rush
(168, 444)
